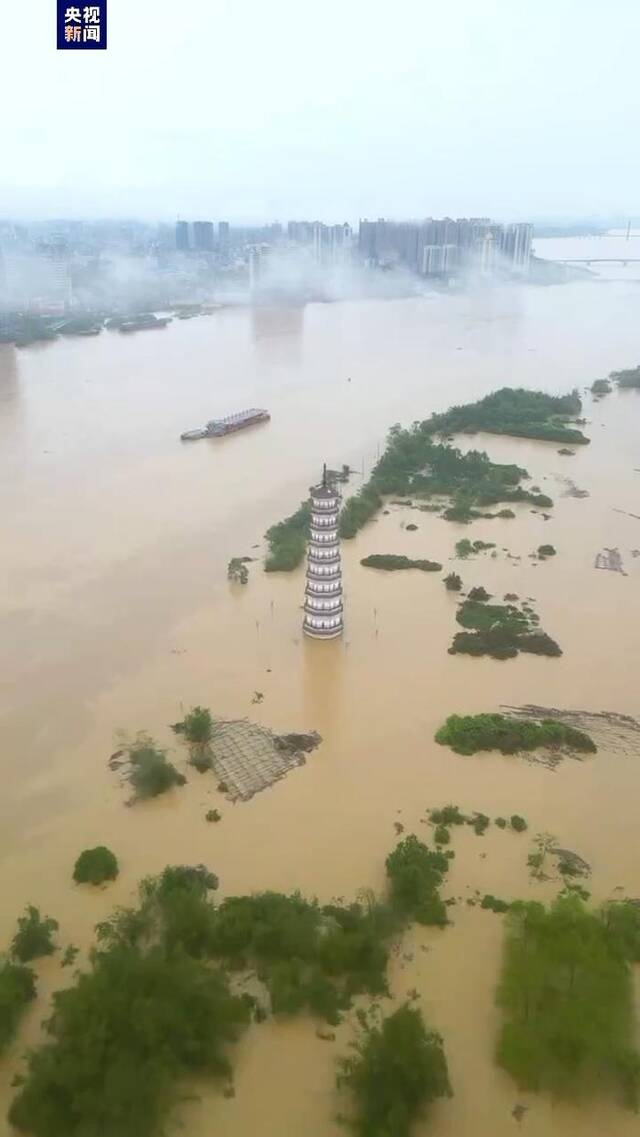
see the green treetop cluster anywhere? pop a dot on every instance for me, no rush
(500, 631)
(628, 378)
(396, 1071)
(468, 734)
(391, 562)
(567, 1000)
(515, 411)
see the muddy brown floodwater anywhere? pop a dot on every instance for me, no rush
(116, 612)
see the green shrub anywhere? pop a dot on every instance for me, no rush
(479, 823)
(94, 866)
(34, 936)
(395, 1072)
(518, 824)
(447, 815)
(17, 989)
(468, 734)
(453, 582)
(237, 570)
(479, 594)
(501, 822)
(464, 548)
(441, 835)
(197, 726)
(150, 773)
(546, 551)
(213, 815)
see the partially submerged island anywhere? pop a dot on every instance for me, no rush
(501, 631)
(394, 563)
(469, 734)
(417, 465)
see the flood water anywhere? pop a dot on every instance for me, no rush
(115, 613)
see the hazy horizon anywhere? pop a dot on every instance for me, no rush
(252, 112)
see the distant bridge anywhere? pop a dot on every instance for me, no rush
(599, 261)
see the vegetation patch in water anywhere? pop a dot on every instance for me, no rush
(103, 1069)
(396, 1070)
(95, 866)
(17, 989)
(500, 631)
(566, 998)
(415, 874)
(465, 548)
(453, 582)
(493, 903)
(469, 734)
(147, 1012)
(415, 465)
(149, 771)
(393, 563)
(288, 541)
(517, 412)
(34, 937)
(601, 387)
(197, 728)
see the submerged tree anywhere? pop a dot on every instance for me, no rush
(34, 936)
(17, 989)
(396, 1071)
(567, 1002)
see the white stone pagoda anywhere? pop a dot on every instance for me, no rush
(323, 592)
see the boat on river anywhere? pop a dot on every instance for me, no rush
(218, 427)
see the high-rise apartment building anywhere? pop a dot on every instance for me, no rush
(203, 236)
(182, 236)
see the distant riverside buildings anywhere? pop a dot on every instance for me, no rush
(199, 237)
(443, 247)
(330, 244)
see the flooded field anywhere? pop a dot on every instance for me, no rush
(115, 613)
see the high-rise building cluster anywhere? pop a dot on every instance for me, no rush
(329, 243)
(200, 237)
(443, 247)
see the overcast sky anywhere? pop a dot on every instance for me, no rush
(253, 109)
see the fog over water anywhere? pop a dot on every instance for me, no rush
(115, 611)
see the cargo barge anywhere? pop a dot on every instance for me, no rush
(218, 427)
